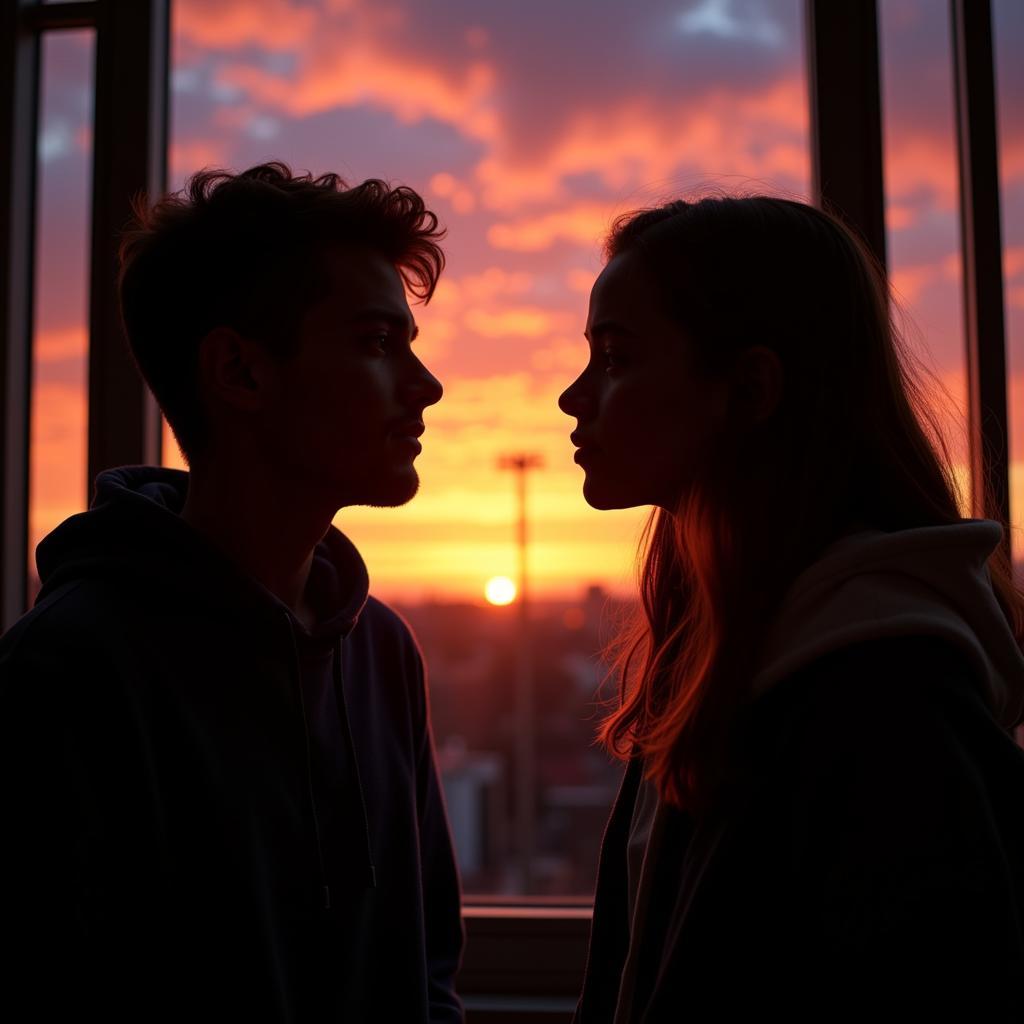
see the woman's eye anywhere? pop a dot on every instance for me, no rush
(613, 360)
(378, 342)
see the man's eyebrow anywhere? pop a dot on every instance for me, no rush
(392, 316)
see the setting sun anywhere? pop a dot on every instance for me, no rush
(500, 590)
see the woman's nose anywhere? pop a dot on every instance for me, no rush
(572, 400)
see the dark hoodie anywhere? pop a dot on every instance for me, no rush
(869, 862)
(210, 811)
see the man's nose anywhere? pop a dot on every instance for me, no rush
(424, 386)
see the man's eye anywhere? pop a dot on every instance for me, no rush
(379, 342)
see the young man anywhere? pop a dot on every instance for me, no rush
(219, 788)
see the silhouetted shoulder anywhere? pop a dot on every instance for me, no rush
(385, 621)
(874, 851)
(68, 631)
(905, 694)
(893, 734)
(898, 795)
(382, 647)
(385, 633)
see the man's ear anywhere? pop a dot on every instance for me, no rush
(758, 381)
(232, 369)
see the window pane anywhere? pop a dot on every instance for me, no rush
(1008, 28)
(170, 453)
(527, 148)
(922, 206)
(60, 348)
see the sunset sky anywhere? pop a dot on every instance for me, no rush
(528, 127)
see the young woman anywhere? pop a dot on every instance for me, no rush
(823, 800)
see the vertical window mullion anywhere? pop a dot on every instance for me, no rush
(974, 83)
(846, 114)
(18, 127)
(130, 158)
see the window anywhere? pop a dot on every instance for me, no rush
(58, 484)
(527, 148)
(922, 208)
(1008, 28)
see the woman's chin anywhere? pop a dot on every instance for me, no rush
(605, 499)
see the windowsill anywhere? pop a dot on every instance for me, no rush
(524, 960)
(528, 911)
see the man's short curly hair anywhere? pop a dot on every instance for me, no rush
(245, 251)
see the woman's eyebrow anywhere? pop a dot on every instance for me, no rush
(603, 327)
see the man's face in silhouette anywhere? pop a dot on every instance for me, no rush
(349, 400)
(645, 413)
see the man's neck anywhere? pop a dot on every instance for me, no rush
(268, 535)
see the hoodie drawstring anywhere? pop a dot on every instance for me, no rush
(296, 675)
(339, 684)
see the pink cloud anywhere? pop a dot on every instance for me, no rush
(186, 156)
(909, 282)
(447, 186)
(583, 223)
(517, 321)
(1013, 260)
(913, 162)
(640, 145)
(580, 280)
(1012, 157)
(278, 25)
(337, 71)
(357, 53)
(62, 344)
(58, 472)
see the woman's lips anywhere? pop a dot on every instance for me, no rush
(585, 448)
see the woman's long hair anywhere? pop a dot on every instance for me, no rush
(852, 444)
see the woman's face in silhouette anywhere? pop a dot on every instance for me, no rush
(646, 414)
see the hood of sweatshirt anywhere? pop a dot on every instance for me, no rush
(134, 529)
(932, 581)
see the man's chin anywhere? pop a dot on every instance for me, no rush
(395, 492)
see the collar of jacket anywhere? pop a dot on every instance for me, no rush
(134, 531)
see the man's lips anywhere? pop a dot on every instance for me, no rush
(407, 434)
(408, 428)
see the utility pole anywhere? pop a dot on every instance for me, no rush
(525, 812)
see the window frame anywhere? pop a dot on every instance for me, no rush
(523, 961)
